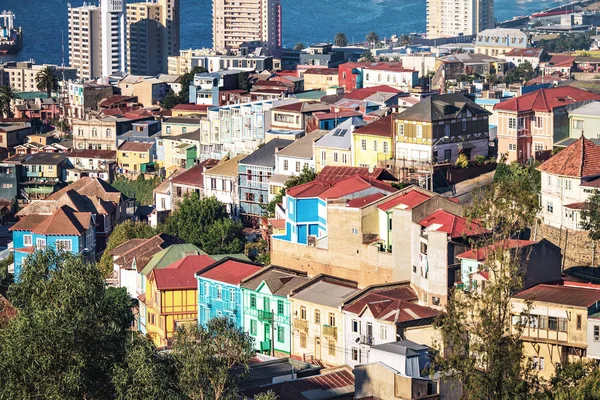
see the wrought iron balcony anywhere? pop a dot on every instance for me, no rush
(265, 315)
(366, 339)
(330, 331)
(301, 324)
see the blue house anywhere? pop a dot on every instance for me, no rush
(306, 210)
(254, 172)
(219, 293)
(65, 229)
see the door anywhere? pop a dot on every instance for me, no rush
(266, 304)
(267, 342)
(318, 348)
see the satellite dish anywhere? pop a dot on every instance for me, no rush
(371, 169)
(357, 340)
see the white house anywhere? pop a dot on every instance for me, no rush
(390, 74)
(568, 179)
(520, 56)
(221, 181)
(380, 314)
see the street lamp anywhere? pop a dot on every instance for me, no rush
(432, 148)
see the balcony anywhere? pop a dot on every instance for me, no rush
(265, 345)
(366, 339)
(330, 331)
(265, 316)
(301, 325)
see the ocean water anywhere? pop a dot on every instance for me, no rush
(44, 22)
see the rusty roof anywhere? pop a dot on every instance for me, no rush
(63, 221)
(561, 294)
(581, 158)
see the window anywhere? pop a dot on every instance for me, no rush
(578, 124)
(355, 326)
(538, 146)
(355, 231)
(331, 348)
(253, 327)
(253, 301)
(298, 166)
(596, 333)
(335, 156)
(539, 122)
(183, 130)
(542, 363)
(280, 307)
(512, 123)
(383, 332)
(303, 313)
(419, 131)
(232, 295)
(355, 354)
(549, 180)
(40, 243)
(27, 240)
(553, 323)
(50, 168)
(363, 144)
(64, 244)
(219, 292)
(213, 183)
(323, 156)
(108, 133)
(331, 319)
(249, 196)
(567, 185)
(512, 147)
(521, 123)
(280, 334)
(344, 158)
(400, 129)
(464, 125)
(549, 207)
(317, 316)
(286, 165)
(94, 132)
(168, 130)
(303, 340)
(578, 322)
(374, 145)
(447, 154)
(386, 147)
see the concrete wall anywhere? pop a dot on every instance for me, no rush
(575, 246)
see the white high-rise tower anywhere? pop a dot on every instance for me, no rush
(114, 58)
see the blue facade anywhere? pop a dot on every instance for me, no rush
(218, 299)
(304, 217)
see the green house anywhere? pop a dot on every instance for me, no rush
(267, 309)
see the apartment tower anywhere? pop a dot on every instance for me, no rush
(85, 40)
(113, 37)
(237, 22)
(153, 36)
(450, 18)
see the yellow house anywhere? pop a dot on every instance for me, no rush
(335, 148)
(555, 329)
(372, 143)
(320, 78)
(171, 297)
(131, 156)
(318, 321)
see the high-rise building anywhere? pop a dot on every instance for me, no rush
(153, 36)
(450, 18)
(85, 40)
(113, 37)
(97, 39)
(250, 21)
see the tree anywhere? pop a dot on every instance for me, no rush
(340, 39)
(141, 189)
(206, 357)
(483, 350)
(244, 81)
(299, 46)
(367, 56)
(372, 38)
(47, 80)
(268, 395)
(69, 332)
(575, 380)
(123, 232)
(307, 175)
(172, 99)
(146, 373)
(211, 230)
(7, 95)
(590, 220)
(258, 252)
(404, 39)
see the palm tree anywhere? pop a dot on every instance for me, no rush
(7, 95)
(299, 46)
(46, 79)
(340, 39)
(372, 38)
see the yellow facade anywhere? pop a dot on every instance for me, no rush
(172, 156)
(168, 309)
(132, 160)
(324, 156)
(314, 336)
(369, 150)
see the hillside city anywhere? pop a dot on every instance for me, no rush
(413, 217)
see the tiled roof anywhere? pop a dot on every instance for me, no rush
(482, 253)
(580, 159)
(559, 294)
(321, 71)
(332, 173)
(363, 201)
(334, 190)
(277, 223)
(115, 99)
(453, 225)
(280, 281)
(532, 52)
(406, 201)
(363, 93)
(77, 201)
(195, 175)
(63, 221)
(575, 206)
(441, 107)
(180, 274)
(382, 127)
(561, 60)
(135, 146)
(144, 250)
(86, 153)
(91, 187)
(229, 270)
(191, 107)
(125, 247)
(546, 99)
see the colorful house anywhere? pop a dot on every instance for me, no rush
(267, 308)
(219, 293)
(372, 143)
(171, 297)
(135, 156)
(65, 229)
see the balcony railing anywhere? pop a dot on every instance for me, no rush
(301, 325)
(265, 345)
(366, 339)
(330, 331)
(265, 315)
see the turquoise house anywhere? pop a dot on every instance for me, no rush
(219, 293)
(65, 229)
(267, 308)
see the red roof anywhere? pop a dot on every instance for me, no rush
(482, 253)
(581, 158)
(180, 274)
(560, 294)
(115, 99)
(334, 190)
(191, 107)
(229, 271)
(321, 71)
(361, 94)
(63, 221)
(453, 225)
(546, 99)
(363, 201)
(381, 127)
(331, 173)
(561, 60)
(277, 223)
(195, 175)
(406, 201)
(395, 67)
(135, 146)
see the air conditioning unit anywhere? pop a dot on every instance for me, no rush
(312, 240)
